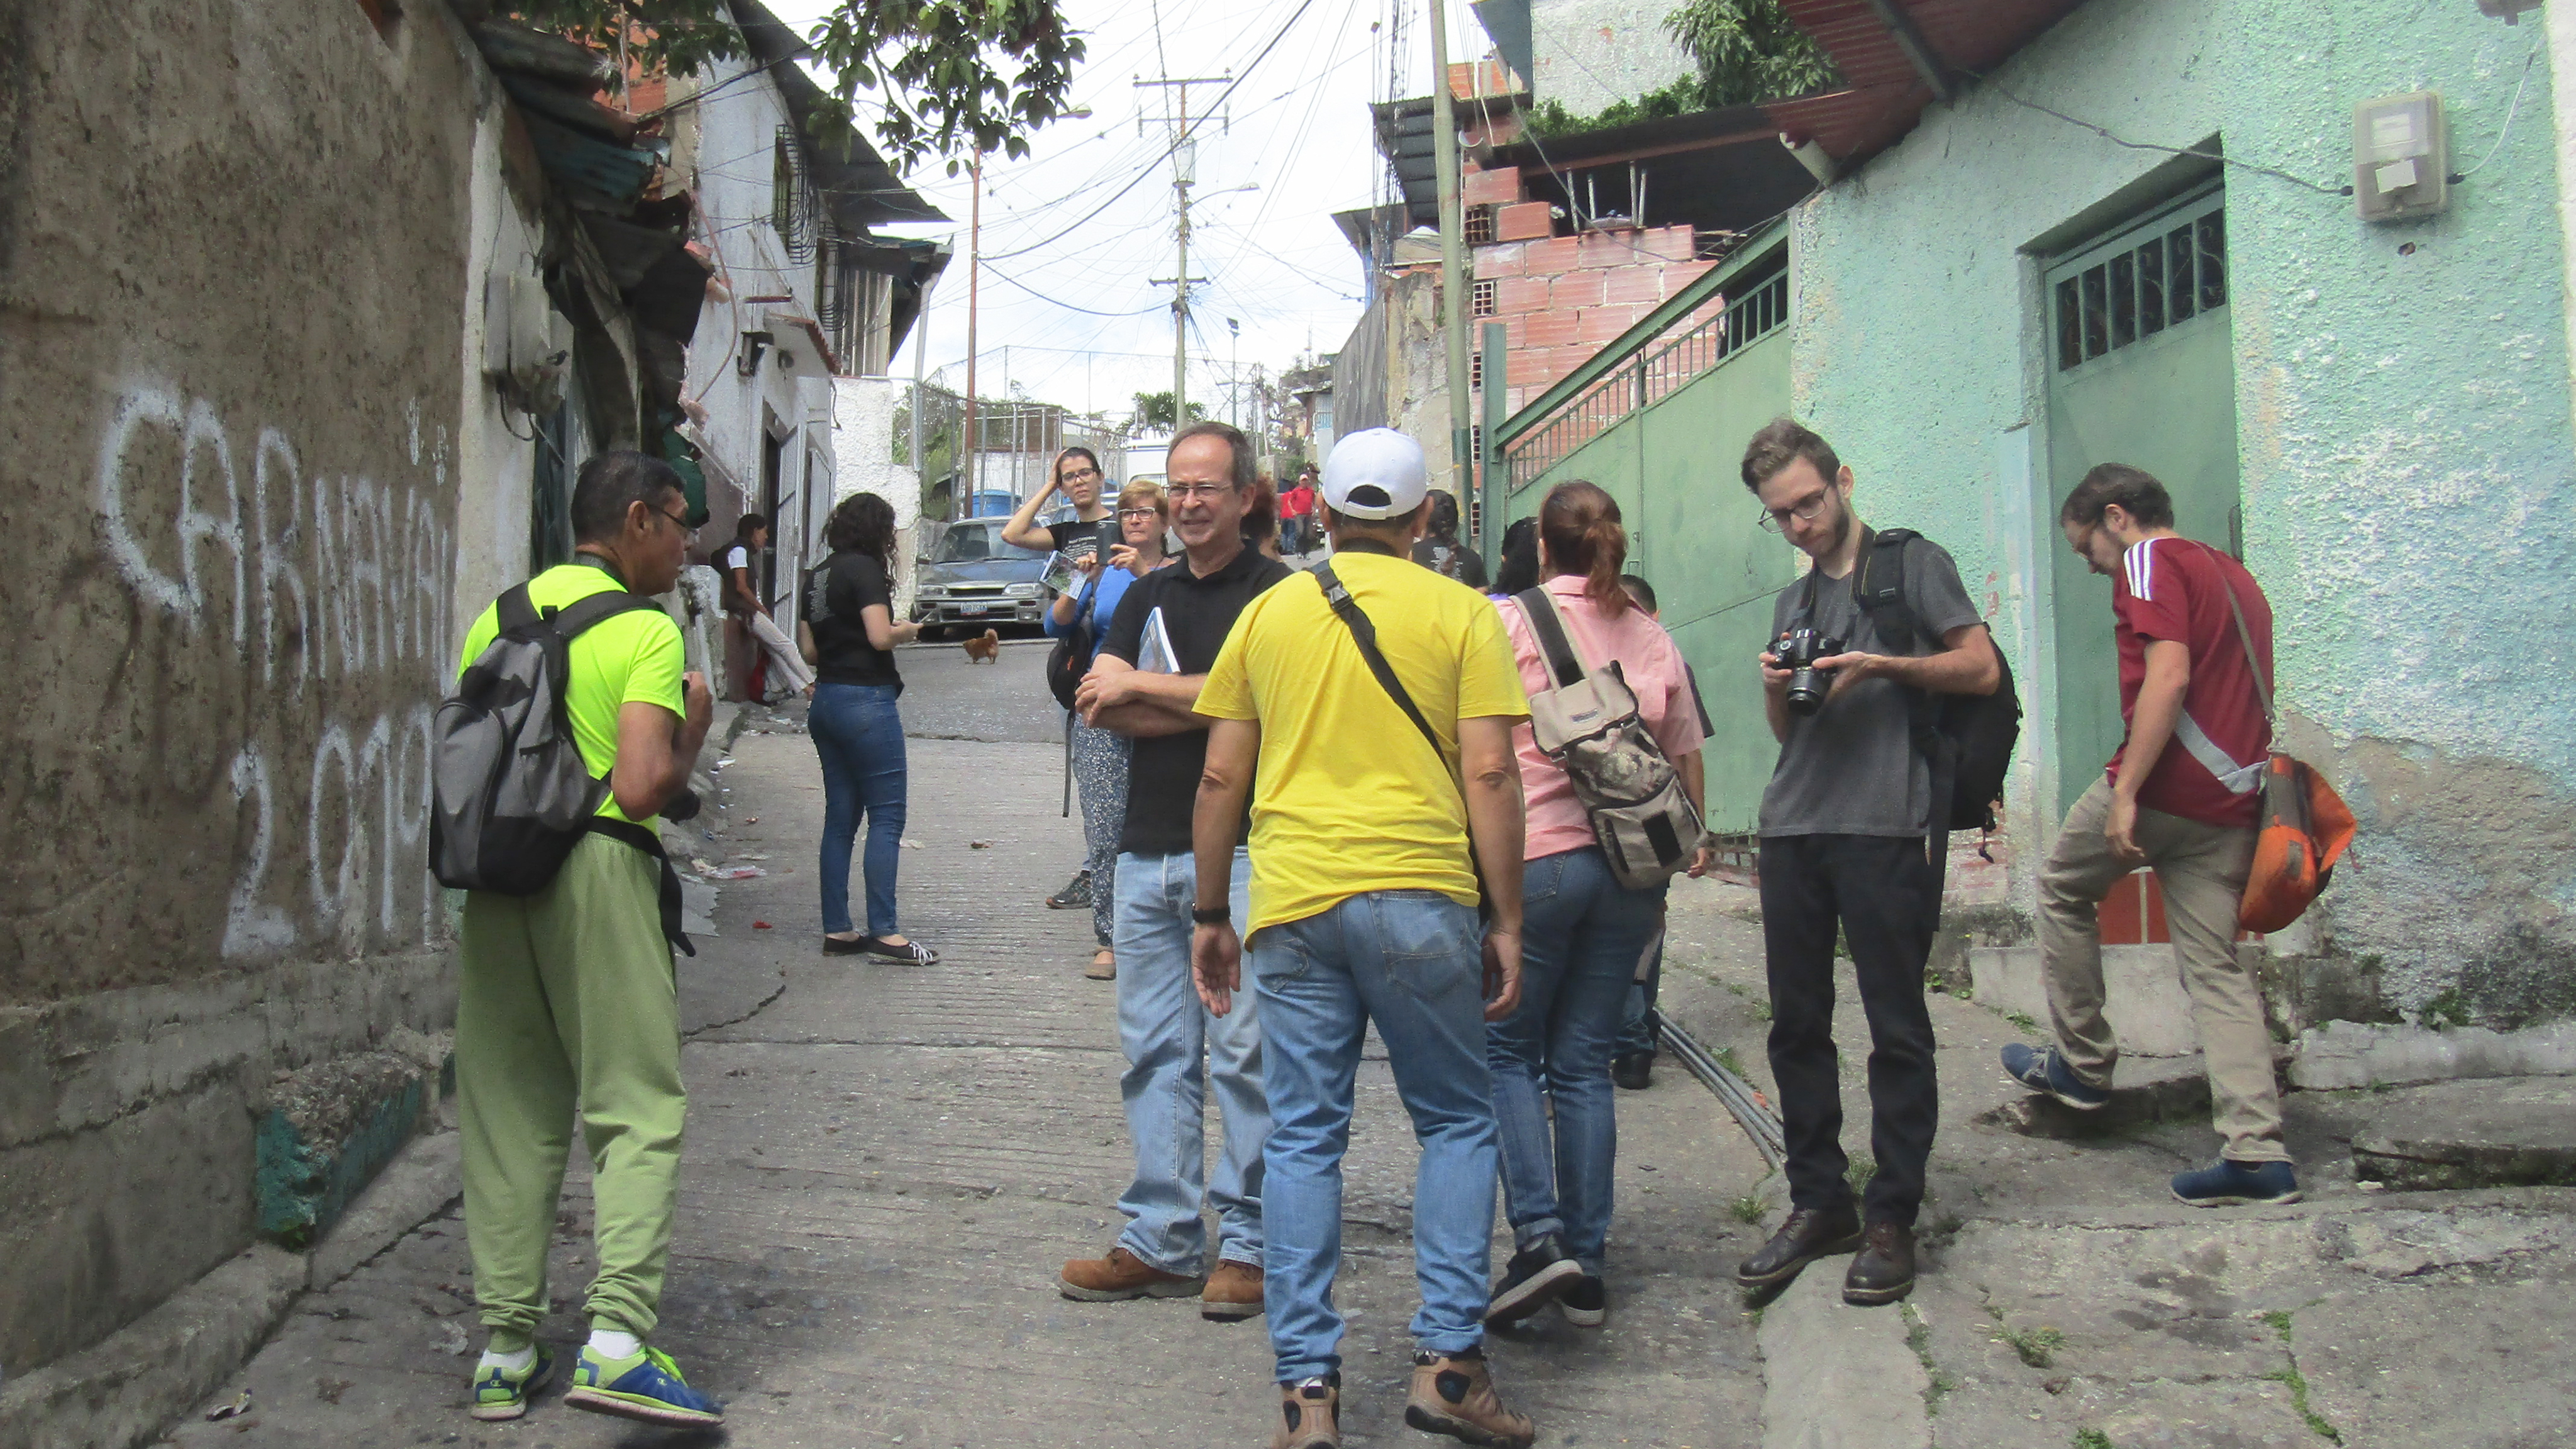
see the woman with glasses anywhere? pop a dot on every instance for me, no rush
(1088, 535)
(1099, 756)
(850, 634)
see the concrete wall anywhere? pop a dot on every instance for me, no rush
(2404, 439)
(864, 446)
(1591, 54)
(232, 253)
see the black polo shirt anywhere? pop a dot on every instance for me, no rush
(1163, 774)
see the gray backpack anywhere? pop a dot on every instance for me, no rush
(513, 795)
(1588, 726)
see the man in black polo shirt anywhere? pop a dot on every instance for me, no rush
(1143, 684)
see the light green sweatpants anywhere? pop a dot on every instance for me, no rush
(567, 1000)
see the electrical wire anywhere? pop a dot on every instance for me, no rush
(1068, 306)
(1115, 196)
(2507, 128)
(2077, 121)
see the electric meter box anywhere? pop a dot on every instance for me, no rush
(2401, 157)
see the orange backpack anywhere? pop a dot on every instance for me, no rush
(2301, 825)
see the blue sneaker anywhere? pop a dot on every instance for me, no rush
(647, 1387)
(501, 1394)
(2045, 1071)
(2228, 1183)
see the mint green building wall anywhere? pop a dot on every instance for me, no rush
(2404, 439)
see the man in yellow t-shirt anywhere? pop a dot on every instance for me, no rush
(1363, 909)
(566, 999)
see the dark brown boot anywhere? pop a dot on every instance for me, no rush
(1809, 1234)
(1454, 1395)
(1310, 1414)
(1884, 1271)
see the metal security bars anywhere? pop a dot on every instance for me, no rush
(1756, 309)
(2143, 285)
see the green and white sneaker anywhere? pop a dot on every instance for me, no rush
(647, 1387)
(501, 1393)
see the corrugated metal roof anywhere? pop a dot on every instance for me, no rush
(1884, 90)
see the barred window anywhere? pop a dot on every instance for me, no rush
(1479, 225)
(1483, 299)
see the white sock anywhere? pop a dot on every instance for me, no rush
(514, 1362)
(614, 1343)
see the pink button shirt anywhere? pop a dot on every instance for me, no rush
(1655, 673)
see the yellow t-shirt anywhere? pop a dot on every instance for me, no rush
(1349, 798)
(634, 657)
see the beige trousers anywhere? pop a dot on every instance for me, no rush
(786, 667)
(2202, 869)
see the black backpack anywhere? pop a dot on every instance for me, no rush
(512, 793)
(1968, 739)
(1071, 656)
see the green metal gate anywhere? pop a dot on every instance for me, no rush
(2141, 371)
(1661, 430)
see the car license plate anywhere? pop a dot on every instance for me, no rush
(971, 611)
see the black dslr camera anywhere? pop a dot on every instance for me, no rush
(1798, 652)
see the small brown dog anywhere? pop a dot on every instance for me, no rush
(987, 650)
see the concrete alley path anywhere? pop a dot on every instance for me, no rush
(887, 1165)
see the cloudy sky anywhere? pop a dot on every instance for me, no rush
(1295, 124)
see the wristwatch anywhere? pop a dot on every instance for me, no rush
(1211, 915)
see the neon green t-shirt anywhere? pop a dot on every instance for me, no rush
(634, 657)
(1348, 797)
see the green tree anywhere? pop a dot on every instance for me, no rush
(953, 77)
(1154, 410)
(1748, 52)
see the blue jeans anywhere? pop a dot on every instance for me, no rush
(1411, 961)
(1637, 1022)
(1175, 1053)
(860, 739)
(1581, 933)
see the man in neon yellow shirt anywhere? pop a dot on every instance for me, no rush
(1363, 909)
(566, 998)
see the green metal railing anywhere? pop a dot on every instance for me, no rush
(1758, 306)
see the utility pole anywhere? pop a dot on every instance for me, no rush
(1234, 372)
(1453, 252)
(1184, 175)
(973, 471)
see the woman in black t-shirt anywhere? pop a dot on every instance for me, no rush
(850, 636)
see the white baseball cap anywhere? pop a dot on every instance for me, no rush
(1375, 473)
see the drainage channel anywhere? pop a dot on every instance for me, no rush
(1757, 1119)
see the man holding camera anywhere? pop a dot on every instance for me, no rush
(1848, 825)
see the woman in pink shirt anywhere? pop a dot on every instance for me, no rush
(1582, 932)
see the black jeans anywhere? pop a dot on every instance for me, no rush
(1887, 899)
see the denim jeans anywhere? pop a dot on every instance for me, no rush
(1581, 934)
(860, 739)
(1638, 1021)
(1411, 961)
(1175, 1053)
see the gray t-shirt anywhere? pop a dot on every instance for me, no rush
(1851, 768)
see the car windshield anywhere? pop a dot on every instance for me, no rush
(975, 542)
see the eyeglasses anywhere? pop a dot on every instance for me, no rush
(1082, 475)
(1776, 520)
(1138, 512)
(680, 521)
(1184, 492)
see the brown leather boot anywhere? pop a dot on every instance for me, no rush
(1310, 1414)
(1122, 1275)
(1233, 1291)
(1454, 1395)
(1809, 1234)
(1884, 1271)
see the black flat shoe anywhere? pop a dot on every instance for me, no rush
(1633, 1071)
(1536, 1276)
(835, 946)
(911, 953)
(1809, 1234)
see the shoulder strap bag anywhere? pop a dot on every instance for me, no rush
(1588, 725)
(2301, 826)
(1364, 633)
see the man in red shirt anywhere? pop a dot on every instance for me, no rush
(2180, 798)
(1297, 510)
